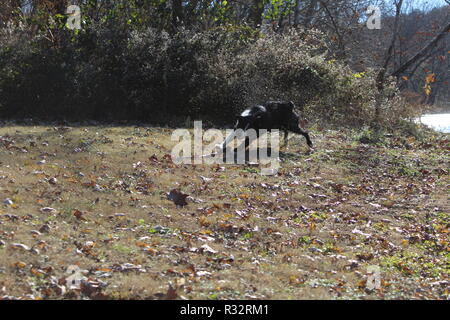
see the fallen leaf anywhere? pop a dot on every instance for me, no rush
(208, 249)
(171, 293)
(178, 197)
(48, 210)
(20, 264)
(78, 214)
(20, 246)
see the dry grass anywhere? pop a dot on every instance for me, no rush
(293, 236)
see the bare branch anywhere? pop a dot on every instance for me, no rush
(422, 52)
(388, 56)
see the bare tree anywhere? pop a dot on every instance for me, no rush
(381, 77)
(422, 53)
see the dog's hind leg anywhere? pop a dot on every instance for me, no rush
(285, 140)
(304, 133)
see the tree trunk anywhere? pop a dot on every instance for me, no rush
(281, 18)
(342, 54)
(256, 14)
(381, 77)
(297, 13)
(310, 12)
(177, 13)
(61, 7)
(422, 52)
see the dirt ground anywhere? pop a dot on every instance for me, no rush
(84, 214)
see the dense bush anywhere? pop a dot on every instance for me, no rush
(108, 72)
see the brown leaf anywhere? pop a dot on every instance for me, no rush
(20, 264)
(20, 246)
(178, 197)
(171, 293)
(78, 214)
(37, 272)
(151, 251)
(48, 210)
(154, 159)
(365, 256)
(45, 228)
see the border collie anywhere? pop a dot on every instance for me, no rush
(272, 115)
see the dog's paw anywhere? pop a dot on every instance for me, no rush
(218, 148)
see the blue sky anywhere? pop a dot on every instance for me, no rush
(432, 2)
(409, 5)
(419, 4)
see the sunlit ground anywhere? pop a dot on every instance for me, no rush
(439, 122)
(96, 197)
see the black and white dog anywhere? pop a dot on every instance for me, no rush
(272, 115)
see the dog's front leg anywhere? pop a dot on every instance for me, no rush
(285, 140)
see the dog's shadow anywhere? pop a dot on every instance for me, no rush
(260, 155)
(290, 155)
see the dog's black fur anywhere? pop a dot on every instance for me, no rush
(272, 115)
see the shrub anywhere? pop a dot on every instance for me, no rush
(111, 72)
